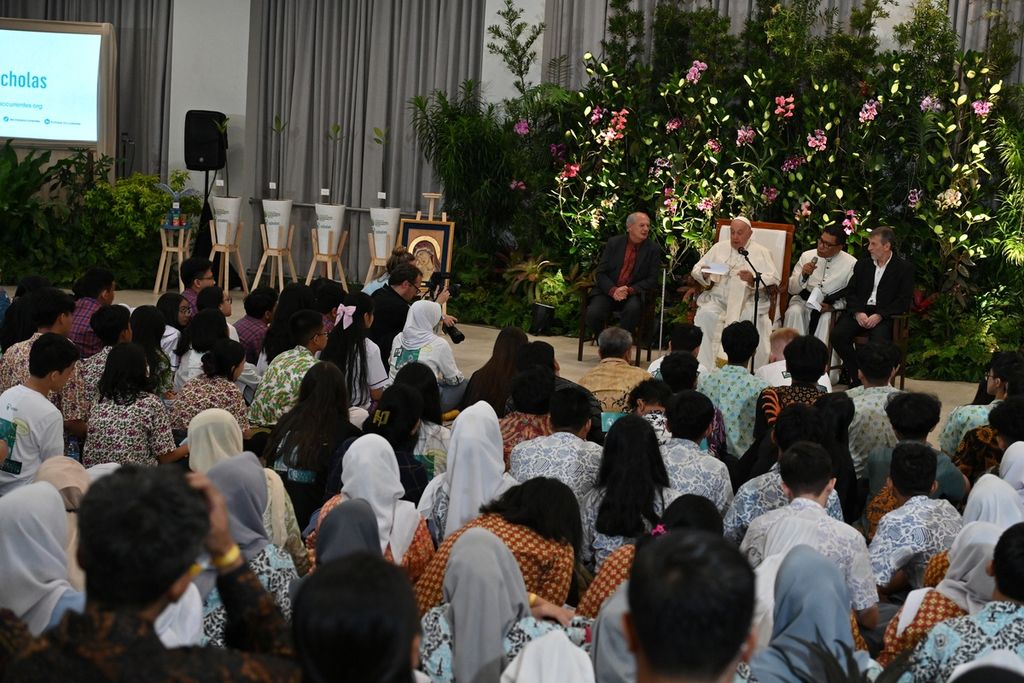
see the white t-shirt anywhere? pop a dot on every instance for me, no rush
(777, 376)
(37, 429)
(377, 376)
(654, 369)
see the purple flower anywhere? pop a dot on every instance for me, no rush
(714, 145)
(929, 103)
(596, 115)
(850, 222)
(981, 108)
(522, 127)
(707, 205)
(673, 125)
(869, 111)
(745, 136)
(694, 72)
(557, 151)
(794, 162)
(769, 193)
(517, 185)
(914, 198)
(804, 211)
(817, 141)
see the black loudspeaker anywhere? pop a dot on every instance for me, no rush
(205, 145)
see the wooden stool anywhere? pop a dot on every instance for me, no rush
(228, 249)
(279, 255)
(171, 248)
(329, 260)
(377, 264)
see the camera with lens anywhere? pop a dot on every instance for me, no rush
(434, 288)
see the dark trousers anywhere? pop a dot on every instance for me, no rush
(846, 329)
(601, 306)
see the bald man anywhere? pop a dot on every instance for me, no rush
(731, 295)
(628, 267)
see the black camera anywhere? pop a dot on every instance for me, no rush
(434, 287)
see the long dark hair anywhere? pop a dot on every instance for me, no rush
(545, 505)
(124, 377)
(223, 358)
(422, 379)
(396, 414)
(346, 348)
(147, 323)
(632, 476)
(18, 324)
(312, 426)
(205, 328)
(168, 304)
(294, 297)
(493, 381)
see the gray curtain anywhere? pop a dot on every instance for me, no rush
(972, 20)
(356, 63)
(143, 30)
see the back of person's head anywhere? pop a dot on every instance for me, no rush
(800, 422)
(140, 529)
(396, 416)
(503, 356)
(31, 283)
(346, 344)
(93, 283)
(260, 302)
(294, 297)
(633, 477)
(690, 511)
(223, 358)
(147, 323)
(532, 389)
(779, 339)
(126, 374)
(543, 504)
(614, 342)
(209, 297)
(877, 361)
(806, 468)
(311, 427)
(1008, 367)
(51, 353)
(48, 304)
(653, 392)
(686, 338)
(400, 254)
(355, 619)
(691, 601)
(169, 305)
(912, 469)
(806, 358)
(913, 414)
(1008, 563)
(192, 269)
(1007, 418)
(423, 380)
(679, 369)
(838, 410)
(18, 325)
(739, 341)
(403, 273)
(304, 325)
(536, 353)
(109, 323)
(205, 328)
(328, 294)
(569, 409)
(689, 415)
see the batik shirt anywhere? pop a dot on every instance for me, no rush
(596, 546)
(760, 495)
(202, 393)
(734, 391)
(91, 369)
(910, 535)
(870, 428)
(562, 456)
(611, 381)
(691, 470)
(72, 401)
(136, 433)
(656, 418)
(962, 420)
(835, 540)
(278, 391)
(998, 626)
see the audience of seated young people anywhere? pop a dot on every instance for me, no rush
(214, 388)
(493, 381)
(397, 419)
(147, 323)
(278, 391)
(252, 327)
(649, 400)
(177, 314)
(329, 296)
(732, 389)
(776, 372)
(294, 297)
(692, 470)
(614, 377)
(877, 363)
(805, 357)
(1004, 377)
(354, 353)
(419, 342)
(684, 338)
(93, 291)
(434, 438)
(680, 373)
(531, 393)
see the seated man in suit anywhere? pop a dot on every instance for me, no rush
(629, 266)
(827, 267)
(882, 286)
(730, 297)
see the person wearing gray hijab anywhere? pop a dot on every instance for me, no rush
(346, 530)
(609, 649)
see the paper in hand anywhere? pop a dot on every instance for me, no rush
(815, 299)
(715, 268)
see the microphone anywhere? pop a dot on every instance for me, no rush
(814, 261)
(743, 252)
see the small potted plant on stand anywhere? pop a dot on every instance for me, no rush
(383, 219)
(277, 212)
(226, 209)
(329, 216)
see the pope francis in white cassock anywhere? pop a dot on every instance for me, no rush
(826, 268)
(731, 294)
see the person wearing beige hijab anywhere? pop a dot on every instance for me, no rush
(71, 481)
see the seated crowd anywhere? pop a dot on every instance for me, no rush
(316, 492)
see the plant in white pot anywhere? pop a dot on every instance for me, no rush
(226, 209)
(329, 216)
(277, 212)
(383, 219)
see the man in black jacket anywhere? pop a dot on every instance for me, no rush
(628, 268)
(882, 286)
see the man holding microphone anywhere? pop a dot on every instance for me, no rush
(828, 268)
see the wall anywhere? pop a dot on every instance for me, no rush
(498, 82)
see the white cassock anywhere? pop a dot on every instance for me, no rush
(730, 299)
(831, 274)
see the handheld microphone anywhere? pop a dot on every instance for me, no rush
(743, 252)
(814, 261)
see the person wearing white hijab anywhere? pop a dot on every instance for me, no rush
(418, 342)
(475, 473)
(552, 658)
(1011, 467)
(993, 500)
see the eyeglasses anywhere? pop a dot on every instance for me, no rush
(823, 243)
(185, 309)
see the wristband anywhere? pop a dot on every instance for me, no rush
(533, 599)
(228, 558)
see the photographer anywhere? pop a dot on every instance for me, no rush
(418, 342)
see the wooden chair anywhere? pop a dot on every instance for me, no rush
(277, 257)
(900, 339)
(227, 250)
(175, 244)
(329, 260)
(643, 338)
(378, 264)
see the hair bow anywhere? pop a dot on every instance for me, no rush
(345, 315)
(658, 530)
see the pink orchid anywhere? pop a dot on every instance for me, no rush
(818, 140)
(784, 106)
(571, 170)
(517, 185)
(596, 115)
(673, 125)
(745, 136)
(850, 222)
(714, 145)
(981, 108)
(522, 127)
(868, 111)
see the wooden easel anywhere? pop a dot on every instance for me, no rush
(329, 260)
(431, 198)
(228, 249)
(278, 255)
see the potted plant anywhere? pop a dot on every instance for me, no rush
(329, 216)
(383, 219)
(226, 209)
(277, 212)
(528, 274)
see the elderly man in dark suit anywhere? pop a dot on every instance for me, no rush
(628, 268)
(882, 286)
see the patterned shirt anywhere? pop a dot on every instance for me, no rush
(91, 369)
(431, 447)
(596, 546)
(278, 391)
(519, 427)
(870, 428)
(190, 295)
(73, 399)
(658, 420)
(772, 400)
(934, 608)
(251, 332)
(201, 393)
(611, 381)
(998, 626)
(136, 433)
(562, 456)
(613, 574)
(908, 536)
(734, 391)
(962, 420)
(81, 332)
(835, 540)
(760, 495)
(978, 453)
(691, 470)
